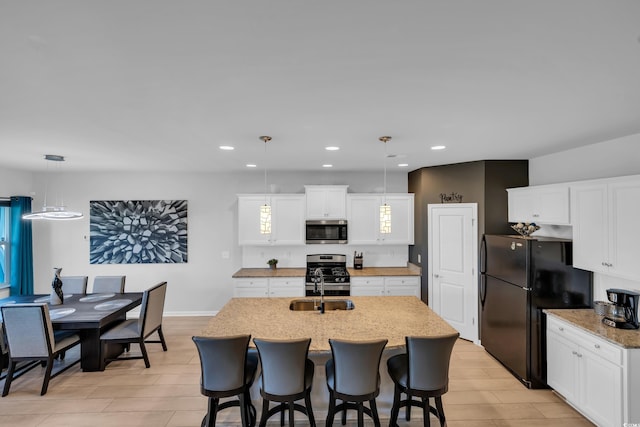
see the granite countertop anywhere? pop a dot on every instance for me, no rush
(409, 270)
(589, 321)
(372, 318)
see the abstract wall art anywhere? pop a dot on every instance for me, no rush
(138, 231)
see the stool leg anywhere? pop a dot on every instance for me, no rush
(265, 409)
(360, 414)
(243, 411)
(426, 412)
(443, 421)
(213, 409)
(395, 409)
(344, 413)
(408, 410)
(332, 410)
(307, 402)
(374, 412)
(291, 414)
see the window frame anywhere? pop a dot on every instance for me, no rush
(5, 244)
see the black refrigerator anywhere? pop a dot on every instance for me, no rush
(519, 278)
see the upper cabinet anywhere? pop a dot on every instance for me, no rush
(326, 201)
(287, 219)
(363, 215)
(545, 204)
(605, 226)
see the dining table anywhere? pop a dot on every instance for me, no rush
(89, 315)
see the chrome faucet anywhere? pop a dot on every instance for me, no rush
(319, 277)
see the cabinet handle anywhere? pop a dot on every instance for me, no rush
(562, 329)
(579, 355)
(436, 275)
(536, 215)
(597, 345)
(574, 352)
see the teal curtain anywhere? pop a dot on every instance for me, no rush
(21, 247)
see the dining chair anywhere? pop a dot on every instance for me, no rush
(30, 337)
(136, 331)
(287, 376)
(74, 284)
(353, 376)
(228, 370)
(423, 372)
(108, 284)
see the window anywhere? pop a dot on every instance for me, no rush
(4, 244)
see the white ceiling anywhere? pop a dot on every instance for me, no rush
(160, 84)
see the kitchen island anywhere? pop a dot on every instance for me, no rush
(378, 317)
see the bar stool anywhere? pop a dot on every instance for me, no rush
(228, 370)
(423, 371)
(353, 376)
(287, 376)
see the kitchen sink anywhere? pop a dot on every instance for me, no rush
(314, 304)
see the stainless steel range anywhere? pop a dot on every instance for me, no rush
(334, 271)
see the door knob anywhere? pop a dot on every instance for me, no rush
(436, 275)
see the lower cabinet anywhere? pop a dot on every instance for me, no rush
(596, 377)
(386, 285)
(269, 287)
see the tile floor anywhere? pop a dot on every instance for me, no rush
(481, 393)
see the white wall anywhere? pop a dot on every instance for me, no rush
(616, 157)
(203, 285)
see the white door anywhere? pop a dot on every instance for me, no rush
(452, 261)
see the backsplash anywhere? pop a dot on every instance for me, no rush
(296, 256)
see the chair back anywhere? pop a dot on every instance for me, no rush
(152, 308)
(28, 330)
(428, 361)
(222, 361)
(74, 284)
(108, 284)
(357, 366)
(283, 365)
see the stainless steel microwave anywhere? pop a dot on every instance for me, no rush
(326, 231)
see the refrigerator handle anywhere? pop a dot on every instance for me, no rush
(483, 270)
(483, 289)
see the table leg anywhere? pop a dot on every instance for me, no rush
(93, 354)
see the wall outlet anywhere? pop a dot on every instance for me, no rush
(419, 259)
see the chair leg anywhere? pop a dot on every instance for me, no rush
(331, 412)
(344, 413)
(9, 378)
(307, 402)
(282, 409)
(213, 412)
(162, 341)
(374, 412)
(244, 418)
(360, 415)
(251, 410)
(395, 409)
(47, 376)
(443, 421)
(145, 356)
(426, 412)
(408, 410)
(265, 410)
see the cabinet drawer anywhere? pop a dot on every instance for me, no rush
(250, 283)
(402, 281)
(286, 282)
(588, 341)
(367, 281)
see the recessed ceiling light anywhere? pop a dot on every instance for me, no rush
(251, 165)
(403, 165)
(438, 147)
(226, 147)
(327, 166)
(332, 148)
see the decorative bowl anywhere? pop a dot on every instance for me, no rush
(525, 228)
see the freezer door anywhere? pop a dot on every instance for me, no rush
(506, 258)
(504, 332)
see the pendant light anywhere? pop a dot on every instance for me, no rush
(265, 210)
(58, 210)
(385, 209)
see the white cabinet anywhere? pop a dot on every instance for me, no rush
(605, 226)
(287, 220)
(326, 201)
(594, 375)
(545, 204)
(386, 286)
(363, 214)
(269, 287)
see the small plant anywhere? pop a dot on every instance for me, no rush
(273, 263)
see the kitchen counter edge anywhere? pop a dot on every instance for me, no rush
(587, 320)
(409, 270)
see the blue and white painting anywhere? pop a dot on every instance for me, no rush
(138, 231)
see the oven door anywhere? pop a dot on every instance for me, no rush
(329, 290)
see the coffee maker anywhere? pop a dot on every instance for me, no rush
(624, 311)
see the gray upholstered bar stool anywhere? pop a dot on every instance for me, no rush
(353, 376)
(287, 376)
(423, 371)
(228, 370)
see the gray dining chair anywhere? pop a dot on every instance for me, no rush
(287, 376)
(74, 284)
(423, 372)
(353, 376)
(108, 284)
(228, 369)
(30, 337)
(136, 331)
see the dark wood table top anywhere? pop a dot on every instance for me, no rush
(83, 311)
